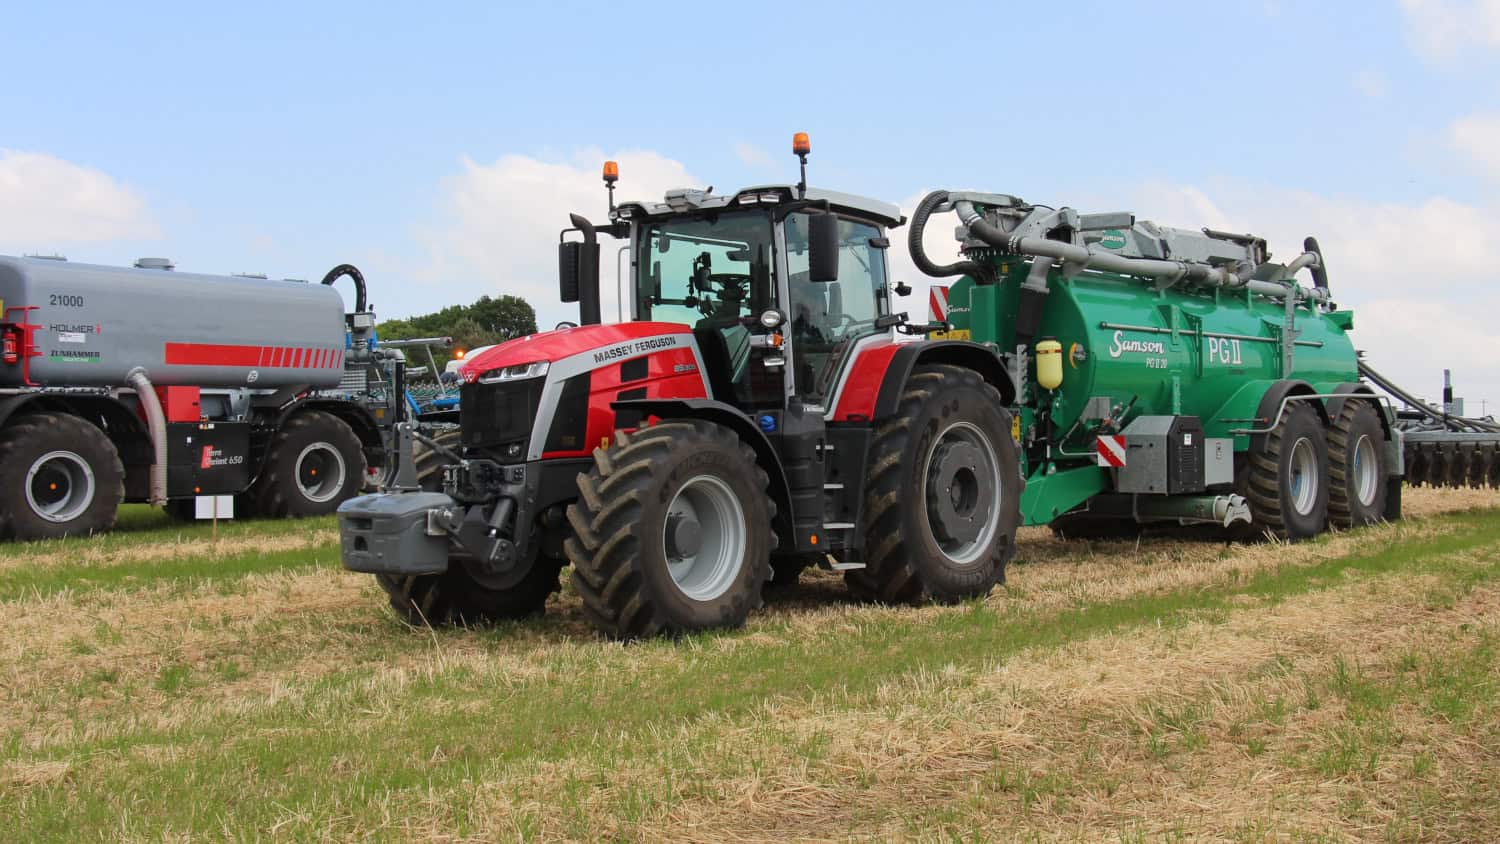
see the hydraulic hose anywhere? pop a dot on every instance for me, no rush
(158, 423)
(1415, 403)
(359, 283)
(979, 272)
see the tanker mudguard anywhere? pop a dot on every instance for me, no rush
(968, 355)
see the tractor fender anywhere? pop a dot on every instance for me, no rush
(735, 420)
(1336, 405)
(953, 352)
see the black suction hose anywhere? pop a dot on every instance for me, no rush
(359, 283)
(976, 270)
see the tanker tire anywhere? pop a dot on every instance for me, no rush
(454, 597)
(1268, 482)
(620, 522)
(1357, 422)
(279, 492)
(78, 445)
(904, 562)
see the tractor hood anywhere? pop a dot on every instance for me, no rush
(611, 341)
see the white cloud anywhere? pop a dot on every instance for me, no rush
(1478, 137)
(753, 156)
(46, 202)
(1443, 30)
(499, 225)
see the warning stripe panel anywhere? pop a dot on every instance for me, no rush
(1110, 450)
(250, 357)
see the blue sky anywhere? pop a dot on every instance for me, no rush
(439, 147)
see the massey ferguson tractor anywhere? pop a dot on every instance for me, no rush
(764, 407)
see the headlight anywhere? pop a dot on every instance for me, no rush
(518, 372)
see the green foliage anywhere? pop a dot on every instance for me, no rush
(487, 321)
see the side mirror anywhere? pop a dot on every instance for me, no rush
(823, 248)
(578, 271)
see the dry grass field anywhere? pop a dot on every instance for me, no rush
(161, 684)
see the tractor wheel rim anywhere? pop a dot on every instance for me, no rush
(962, 486)
(708, 565)
(1366, 471)
(1304, 476)
(59, 486)
(320, 472)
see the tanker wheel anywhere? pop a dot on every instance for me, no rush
(456, 596)
(950, 443)
(671, 531)
(314, 464)
(59, 476)
(1357, 488)
(1286, 478)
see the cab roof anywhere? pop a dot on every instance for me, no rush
(684, 200)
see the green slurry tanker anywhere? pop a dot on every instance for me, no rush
(1168, 375)
(760, 406)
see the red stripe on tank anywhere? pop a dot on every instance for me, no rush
(210, 354)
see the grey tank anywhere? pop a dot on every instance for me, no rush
(94, 324)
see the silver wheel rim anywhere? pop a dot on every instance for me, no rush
(1303, 483)
(1366, 471)
(59, 486)
(320, 472)
(707, 570)
(964, 550)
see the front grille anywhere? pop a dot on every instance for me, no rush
(495, 414)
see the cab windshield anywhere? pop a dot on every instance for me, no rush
(714, 268)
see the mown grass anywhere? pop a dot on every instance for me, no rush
(534, 730)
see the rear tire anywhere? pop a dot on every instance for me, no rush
(314, 464)
(949, 442)
(671, 531)
(455, 597)
(1286, 478)
(59, 476)
(1357, 488)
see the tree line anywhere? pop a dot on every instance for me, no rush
(489, 320)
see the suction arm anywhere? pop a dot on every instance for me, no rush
(976, 270)
(356, 276)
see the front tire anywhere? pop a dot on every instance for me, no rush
(59, 476)
(1357, 489)
(950, 443)
(314, 464)
(1286, 478)
(671, 531)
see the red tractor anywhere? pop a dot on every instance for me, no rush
(757, 413)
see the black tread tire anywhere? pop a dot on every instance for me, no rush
(454, 597)
(1267, 468)
(902, 562)
(276, 492)
(29, 437)
(619, 567)
(1356, 419)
